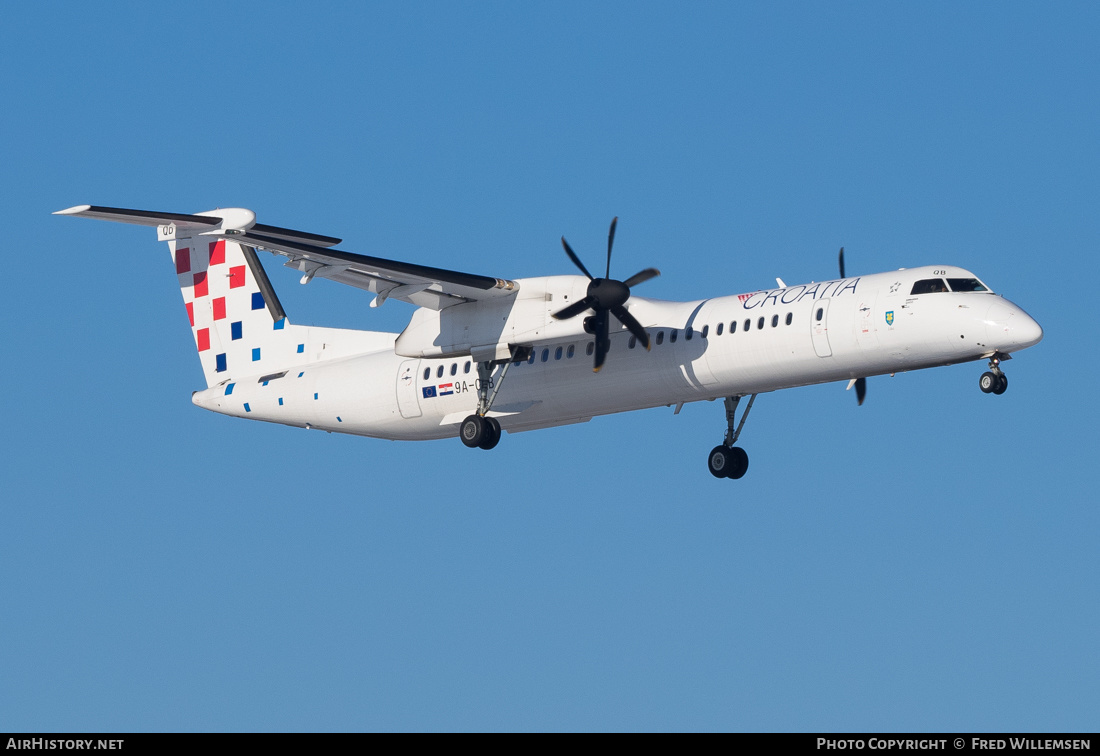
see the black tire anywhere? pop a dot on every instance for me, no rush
(740, 463)
(472, 431)
(719, 461)
(988, 382)
(1002, 385)
(492, 434)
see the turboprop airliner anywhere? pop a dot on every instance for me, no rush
(482, 355)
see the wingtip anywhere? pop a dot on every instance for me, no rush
(73, 210)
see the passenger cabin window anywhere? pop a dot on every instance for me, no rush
(545, 355)
(775, 320)
(660, 338)
(439, 372)
(747, 325)
(688, 333)
(966, 284)
(427, 373)
(790, 317)
(733, 327)
(760, 323)
(706, 328)
(633, 341)
(672, 336)
(557, 353)
(454, 368)
(569, 352)
(588, 349)
(466, 367)
(717, 330)
(819, 313)
(531, 359)
(929, 286)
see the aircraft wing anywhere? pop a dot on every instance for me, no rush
(420, 285)
(314, 256)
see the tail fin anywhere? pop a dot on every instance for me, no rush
(237, 322)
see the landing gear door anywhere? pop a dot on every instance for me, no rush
(407, 400)
(819, 328)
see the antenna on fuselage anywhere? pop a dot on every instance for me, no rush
(859, 383)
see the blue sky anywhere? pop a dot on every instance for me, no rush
(924, 562)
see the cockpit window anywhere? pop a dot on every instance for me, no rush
(929, 286)
(966, 284)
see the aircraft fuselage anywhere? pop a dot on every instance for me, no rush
(726, 346)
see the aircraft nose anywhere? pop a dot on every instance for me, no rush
(1010, 328)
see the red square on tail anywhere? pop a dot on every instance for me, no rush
(201, 285)
(236, 276)
(219, 308)
(203, 338)
(217, 252)
(191, 313)
(183, 260)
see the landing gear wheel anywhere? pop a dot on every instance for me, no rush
(989, 382)
(725, 462)
(720, 461)
(740, 463)
(472, 431)
(492, 433)
(1002, 385)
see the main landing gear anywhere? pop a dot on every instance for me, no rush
(993, 381)
(727, 460)
(478, 431)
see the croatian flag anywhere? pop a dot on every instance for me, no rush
(446, 388)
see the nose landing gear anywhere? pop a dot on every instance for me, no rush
(727, 460)
(994, 381)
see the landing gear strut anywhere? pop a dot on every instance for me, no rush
(727, 460)
(994, 381)
(478, 430)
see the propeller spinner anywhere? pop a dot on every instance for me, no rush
(606, 295)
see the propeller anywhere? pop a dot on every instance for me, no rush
(861, 383)
(606, 296)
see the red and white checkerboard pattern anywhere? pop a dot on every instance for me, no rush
(233, 329)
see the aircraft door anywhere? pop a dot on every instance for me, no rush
(407, 400)
(819, 328)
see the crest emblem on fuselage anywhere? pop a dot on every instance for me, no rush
(889, 317)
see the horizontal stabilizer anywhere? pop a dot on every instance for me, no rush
(184, 222)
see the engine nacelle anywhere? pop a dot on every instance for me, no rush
(487, 329)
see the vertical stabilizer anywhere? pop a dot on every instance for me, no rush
(237, 322)
(238, 325)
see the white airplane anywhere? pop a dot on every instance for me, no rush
(481, 355)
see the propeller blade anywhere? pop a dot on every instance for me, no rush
(611, 241)
(840, 259)
(631, 323)
(642, 277)
(576, 260)
(603, 342)
(572, 310)
(861, 391)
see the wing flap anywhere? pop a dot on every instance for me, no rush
(441, 287)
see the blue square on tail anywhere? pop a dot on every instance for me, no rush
(235, 331)
(257, 300)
